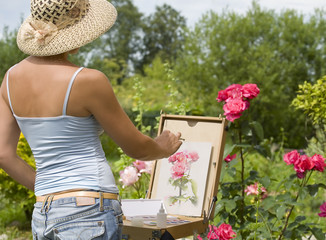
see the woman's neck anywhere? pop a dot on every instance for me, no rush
(61, 59)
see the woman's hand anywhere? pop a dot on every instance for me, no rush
(169, 142)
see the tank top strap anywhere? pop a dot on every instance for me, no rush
(64, 110)
(8, 92)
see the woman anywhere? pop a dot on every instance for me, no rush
(61, 109)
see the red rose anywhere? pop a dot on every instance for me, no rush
(304, 164)
(225, 232)
(222, 96)
(291, 157)
(322, 210)
(319, 162)
(230, 158)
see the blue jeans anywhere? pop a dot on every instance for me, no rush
(62, 219)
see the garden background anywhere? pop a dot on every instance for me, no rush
(157, 62)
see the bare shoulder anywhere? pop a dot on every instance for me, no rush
(93, 84)
(88, 75)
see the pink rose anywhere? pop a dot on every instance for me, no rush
(212, 232)
(179, 169)
(139, 165)
(222, 96)
(319, 162)
(322, 210)
(179, 157)
(233, 109)
(193, 156)
(172, 158)
(234, 91)
(254, 189)
(232, 117)
(234, 106)
(129, 176)
(304, 164)
(250, 90)
(225, 232)
(230, 158)
(291, 157)
(148, 167)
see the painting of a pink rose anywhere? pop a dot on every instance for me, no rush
(180, 175)
(182, 179)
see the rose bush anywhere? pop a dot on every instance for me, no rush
(244, 202)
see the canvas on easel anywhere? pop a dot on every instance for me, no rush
(181, 179)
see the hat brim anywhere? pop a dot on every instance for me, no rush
(99, 19)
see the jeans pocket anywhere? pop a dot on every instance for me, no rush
(79, 230)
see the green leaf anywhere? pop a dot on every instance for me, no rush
(265, 181)
(280, 211)
(268, 203)
(229, 150)
(318, 233)
(300, 218)
(313, 189)
(257, 129)
(230, 205)
(194, 187)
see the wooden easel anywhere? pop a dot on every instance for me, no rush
(196, 129)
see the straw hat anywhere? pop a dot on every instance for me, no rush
(58, 26)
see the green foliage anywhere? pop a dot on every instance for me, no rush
(311, 99)
(277, 51)
(9, 52)
(137, 190)
(317, 144)
(12, 192)
(163, 35)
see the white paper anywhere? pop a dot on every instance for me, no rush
(140, 207)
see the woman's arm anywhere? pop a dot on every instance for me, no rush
(100, 100)
(17, 168)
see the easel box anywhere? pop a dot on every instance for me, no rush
(193, 129)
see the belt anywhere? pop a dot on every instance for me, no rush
(90, 194)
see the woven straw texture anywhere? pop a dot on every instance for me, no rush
(66, 25)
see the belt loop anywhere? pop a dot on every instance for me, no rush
(49, 203)
(44, 202)
(101, 202)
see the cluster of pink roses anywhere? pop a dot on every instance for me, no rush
(236, 98)
(181, 163)
(303, 163)
(130, 175)
(223, 232)
(256, 189)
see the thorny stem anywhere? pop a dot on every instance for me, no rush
(303, 183)
(242, 180)
(257, 214)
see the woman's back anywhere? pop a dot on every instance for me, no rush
(66, 148)
(38, 88)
